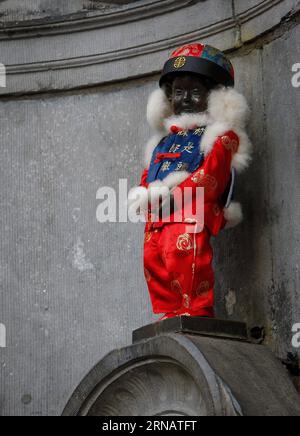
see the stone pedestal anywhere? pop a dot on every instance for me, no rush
(187, 367)
(217, 328)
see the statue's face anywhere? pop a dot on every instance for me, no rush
(189, 95)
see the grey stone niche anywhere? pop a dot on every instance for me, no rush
(187, 367)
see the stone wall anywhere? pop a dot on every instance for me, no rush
(14, 10)
(72, 119)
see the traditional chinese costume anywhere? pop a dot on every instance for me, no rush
(189, 151)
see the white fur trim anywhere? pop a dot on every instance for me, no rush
(176, 178)
(226, 105)
(186, 121)
(233, 215)
(162, 189)
(227, 110)
(211, 134)
(242, 157)
(156, 184)
(158, 109)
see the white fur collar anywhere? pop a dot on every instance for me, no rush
(227, 110)
(186, 121)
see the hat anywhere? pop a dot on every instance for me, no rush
(200, 59)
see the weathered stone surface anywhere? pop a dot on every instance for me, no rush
(282, 108)
(91, 52)
(186, 375)
(62, 274)
(263, 22)
(14, 10)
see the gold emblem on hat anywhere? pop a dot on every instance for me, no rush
(180, 62)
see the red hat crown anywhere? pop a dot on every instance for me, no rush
(195, 50)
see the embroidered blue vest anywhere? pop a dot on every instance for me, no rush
(177, 152)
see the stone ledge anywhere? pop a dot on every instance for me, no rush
(84, 20)
(104, 52)
(217, 328)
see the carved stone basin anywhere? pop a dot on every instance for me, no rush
(187, 374)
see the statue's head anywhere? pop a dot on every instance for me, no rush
(188, 93)
(191, 73)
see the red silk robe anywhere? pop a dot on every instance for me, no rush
(178, 264)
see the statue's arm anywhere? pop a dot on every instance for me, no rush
(214, 176)
(215, 172)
